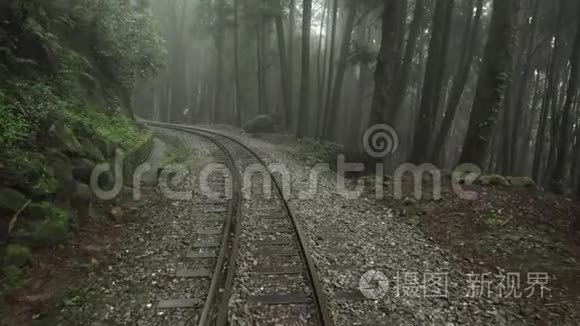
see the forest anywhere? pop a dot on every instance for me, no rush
(289, 162)
(493, 83)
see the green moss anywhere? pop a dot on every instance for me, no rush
(16, 255)
(522, 182)
(493, 221)
(312, 151)
(493, 180)
(11, 200)
(33, 166)
(57, 225)
(178, 154)
(12, 274)
(113, 127)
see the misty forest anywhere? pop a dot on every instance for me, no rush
(131, 132)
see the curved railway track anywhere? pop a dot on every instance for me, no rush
(282, 245)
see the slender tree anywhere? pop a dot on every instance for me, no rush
(305, 78)
(559, 171)
(431, 96)
(386, 63)
(470, 41)
(410, 53)
(284, 73)
(333, 104)
(237, 106)
(494, 76)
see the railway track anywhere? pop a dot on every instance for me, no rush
(281, 284)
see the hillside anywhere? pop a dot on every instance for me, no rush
(67, 73)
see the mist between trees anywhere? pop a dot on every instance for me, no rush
(488, 82)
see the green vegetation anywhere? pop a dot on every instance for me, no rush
(56, 225)
(113, 127)
(11, 273)
(312, 151)
(76, 62)
(17, 256)
(493, 180)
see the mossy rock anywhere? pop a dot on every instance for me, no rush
(493, 222)
(17, 255)
(56, 227)
(68, 142)
(493, 180)
(91, 150)
(12, 274)
(48, 225)
(39, 211)
(11, 201)
(522, 182)
(106, 147)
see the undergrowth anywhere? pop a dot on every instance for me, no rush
(312, 151)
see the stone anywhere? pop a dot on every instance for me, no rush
(12, 274)
(261, 124)
(82, 201)
(117, 213)
(493, 180)
(106, 147)
(64, 176)
(82, 169)
(63, 138)
(11, 201)
(39, 211)
(91, 150)
(522, 182)
(17, 255)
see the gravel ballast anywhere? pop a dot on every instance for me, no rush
(349, 239)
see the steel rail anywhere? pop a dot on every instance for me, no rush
(319, 297)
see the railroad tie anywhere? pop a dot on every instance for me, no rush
(279, 299)
(200, 254)
(196, 273)
(280, 242)
(206, 244)
(349, 296)
(276, 252)
(274, 270)
(178, 303)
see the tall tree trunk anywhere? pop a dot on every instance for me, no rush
(386, 63)
(330, 77)
(550, 101)
(283, 70)
(436, 60)
(320, 64)
(494, 76)
(470, 41)
(575, 167)
(565, 122)
(219, 41)
(333, 107)
(291, 26)
(542, 125)
(237, 108)
(410, 50)
(305, 78)
(259, 63)
(526, 66)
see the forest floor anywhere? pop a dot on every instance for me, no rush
(113, 272)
